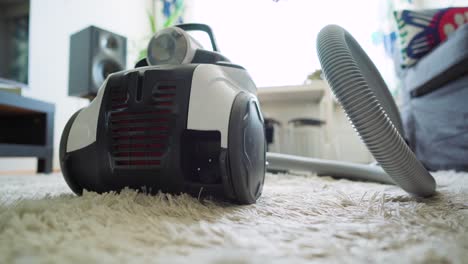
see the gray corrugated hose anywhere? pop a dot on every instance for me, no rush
(370, 108)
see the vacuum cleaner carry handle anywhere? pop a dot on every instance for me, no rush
(201, 27)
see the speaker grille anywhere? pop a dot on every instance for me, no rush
(140, 138)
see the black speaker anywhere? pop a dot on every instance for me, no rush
(94, 54)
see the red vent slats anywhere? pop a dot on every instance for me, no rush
(143, 137)
(136, 120)
(137, 163)
(164, 96)
(163, 103)
(119, 98)
(123, 146)
(139, 137)
(166, 87)
(138, 154)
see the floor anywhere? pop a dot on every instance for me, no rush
(298, 219)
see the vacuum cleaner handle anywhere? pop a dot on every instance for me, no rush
(201, 27)
(173, 45)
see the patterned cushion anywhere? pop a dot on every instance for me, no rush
(422, 31)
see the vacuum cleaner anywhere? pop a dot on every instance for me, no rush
(187, 120)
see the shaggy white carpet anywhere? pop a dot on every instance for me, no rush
(298, 219)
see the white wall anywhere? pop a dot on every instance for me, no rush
(51, 24)
(276, 41)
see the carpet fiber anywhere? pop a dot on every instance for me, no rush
(298, 219)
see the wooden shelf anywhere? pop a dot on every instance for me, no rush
(27, 129)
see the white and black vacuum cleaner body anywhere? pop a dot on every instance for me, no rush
(187, 120)
(194, 128)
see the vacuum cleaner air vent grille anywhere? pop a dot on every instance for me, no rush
(119, 98)
(139, 138)
(163, 96)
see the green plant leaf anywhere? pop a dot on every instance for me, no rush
(177, 13)
(142, 54)
(152, 22)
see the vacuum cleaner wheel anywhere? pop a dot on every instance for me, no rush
(246, 149)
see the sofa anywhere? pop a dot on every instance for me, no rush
(434, 106)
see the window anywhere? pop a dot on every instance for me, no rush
(275, 40)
